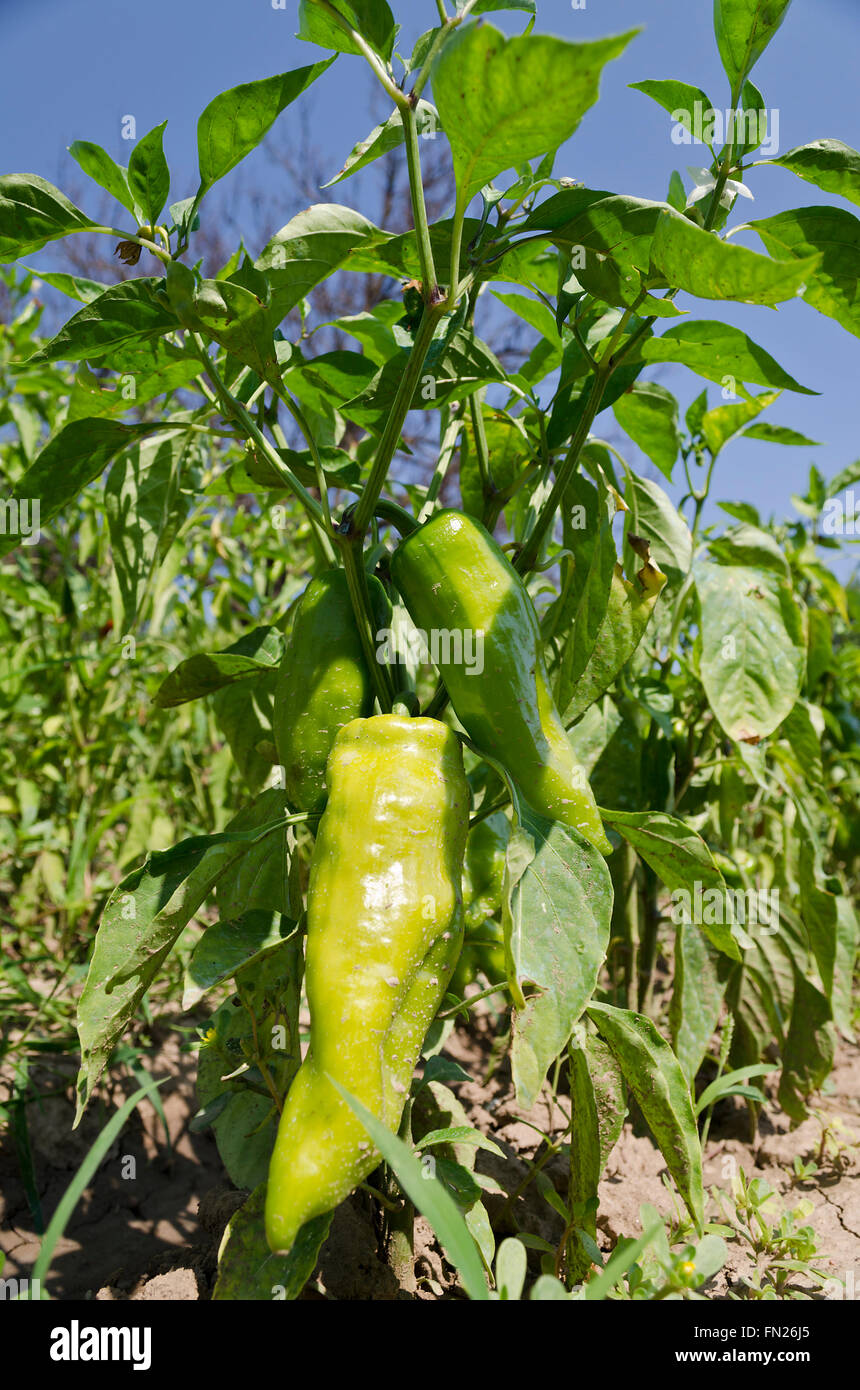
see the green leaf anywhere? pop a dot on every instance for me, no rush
(125, 315)
(458, 1134)
(236, 121)
(588, 535)
(653, 1074)
(654, 518)
(247, 1269)
(752, 132)
(722, 424)
(491, 93)
(105, 171)
(744, 28)
(243, 713)
(486, 6)
(834, 235)
(206, 672)
(429, 1196)
(237, 319)
(697, 997)
(226, 947)
(372, 19)
(333, 378)
(809, 1049)
(254, 473)
(571, 400)
(829, 164)
(753, 648)
(140, 371)
(623, 1258)
(831, 923)
(144, 510)
(511, 1266)
(680, 859)
(316, 242)
(386, 137)
(533, 312)
(627, 616)
(32, 213)
(148, 174)
(73, 458)
(143, 919)
(726, 1085)
(678, 98)
(721, 353)
(649, 414)
(560, 912)
(696, 413)
(75, 286)
(779, 434)
(598, 1102)
(259, 878)
(676, 196)
(510, 452)
(845, 478)
(749, 545)
(598, 221)
(701, 263)
(454, 368)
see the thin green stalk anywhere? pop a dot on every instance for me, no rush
(677, 619)
(447, 450)
(650, 941)
(438, 702)
(356, 578)
(429, 284)
(127, 236)
(250, 429)
(465, 1004)
(366, 52)
(456, 248)
(406, 107)
(482, 453)
(396, 417)
(631, 901)
(449, 23)
(531, 550)
(307, 433)
(402, 521)
(583, 346)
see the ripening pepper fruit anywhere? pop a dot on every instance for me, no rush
(483, 876)
(484, 867)
(454, 578)
(323, 682)
(385, 928)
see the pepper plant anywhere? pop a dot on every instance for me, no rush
(648, 722)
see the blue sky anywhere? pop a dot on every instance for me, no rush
(74, 68)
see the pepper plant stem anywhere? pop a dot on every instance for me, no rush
(528, 556)
(250, 429)
(396, 416)
(356, 578)
(429, 286)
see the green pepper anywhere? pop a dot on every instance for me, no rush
(483, 875)
(323, 682)
(462, 592)
(484, 869)
(385, 928)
